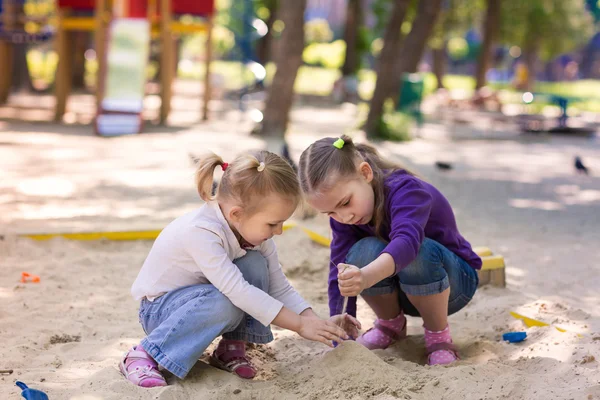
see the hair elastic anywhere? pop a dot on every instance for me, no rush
(339, 143)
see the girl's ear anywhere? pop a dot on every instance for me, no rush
(365, 171)
(236, 213)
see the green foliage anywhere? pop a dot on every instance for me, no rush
(317, 31)
(393, 125)
(223, 42)
(456, 18)
(458, 48)
(381, 11)
(328, 55)
(553, 26)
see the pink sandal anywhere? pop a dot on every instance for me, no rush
(233, 359)
(141, 369)
(447, 354)
(388, 336)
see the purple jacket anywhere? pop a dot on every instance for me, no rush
(415, 210)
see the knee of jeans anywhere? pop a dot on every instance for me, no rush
(365, 251)
(427, 256)
(227, 311)
(255, 269)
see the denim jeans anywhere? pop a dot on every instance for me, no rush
(182, 323)
(434, 270)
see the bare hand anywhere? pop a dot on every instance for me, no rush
(321, 330)
(350, 280)
(348, 323)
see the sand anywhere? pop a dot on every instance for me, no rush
(66, 334)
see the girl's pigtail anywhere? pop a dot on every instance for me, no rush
(204, 174)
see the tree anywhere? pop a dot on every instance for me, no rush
(544, 29)
(263, 47)
(456, 18)
(439, 64)
(351, 37)
(386, 64)
(281, 92)
(389, 79)
(414, 45)
(491, 28)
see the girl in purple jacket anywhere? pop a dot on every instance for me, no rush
(395, 242)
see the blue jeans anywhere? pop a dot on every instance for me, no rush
(182, 323)
(434, 270)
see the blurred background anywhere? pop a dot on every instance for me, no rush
(401, 62)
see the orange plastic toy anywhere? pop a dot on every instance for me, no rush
(27, 277)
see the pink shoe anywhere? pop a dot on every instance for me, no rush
(439, 347)
(230, 356)
(141, 369)
(384, 333)
(441, 354)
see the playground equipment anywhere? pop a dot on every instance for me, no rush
(533, 123)
(165, 24)
(96, 16)
(82, 16)
(13, 32)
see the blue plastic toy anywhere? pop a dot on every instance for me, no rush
(514, 337)
(31, 394)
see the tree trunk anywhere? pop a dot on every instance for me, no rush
(439, 64)
(263, 46)
(281, 92)
(392, 41)
(351, 32)
(531, 58)
(414, 45)
(490, 33)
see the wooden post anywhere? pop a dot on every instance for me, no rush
(6, 51)
(207, 61)
(101, 19)
(63, 71)
(166, 59)
(6, 55)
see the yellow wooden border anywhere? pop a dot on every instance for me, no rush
(127, 235)
(492, 262)
(111, 235)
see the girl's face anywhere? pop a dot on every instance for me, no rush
(349, 201)
(265, 222)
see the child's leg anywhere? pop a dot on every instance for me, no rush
(183, 322)
(438, 283)
(231, 351)
(381, 297)
(255, 270)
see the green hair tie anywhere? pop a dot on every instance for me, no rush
(339, 143)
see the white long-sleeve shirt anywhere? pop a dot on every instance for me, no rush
(199, 247)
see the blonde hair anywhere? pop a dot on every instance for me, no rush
(248, 178)
(322, 164)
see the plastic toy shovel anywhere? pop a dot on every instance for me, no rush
(31, 394)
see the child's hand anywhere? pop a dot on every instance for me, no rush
(350, 280)
(321, 330)
(348, 323)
